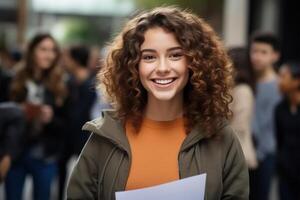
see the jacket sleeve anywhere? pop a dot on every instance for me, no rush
(83, 181)
(235, 172)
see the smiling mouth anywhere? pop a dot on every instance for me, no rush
(164, 81)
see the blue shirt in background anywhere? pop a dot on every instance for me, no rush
(263, 126)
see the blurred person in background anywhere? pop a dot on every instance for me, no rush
(287, 120)
(5, 79)
(243, 102)
(10, 59)
(40, 89)
(82, 96)
(264, 54)
(11, 115)
(12, 123)
(7, 62)
(96, 63)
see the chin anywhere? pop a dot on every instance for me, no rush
(259, 68)
(45, 66)
(163, 96)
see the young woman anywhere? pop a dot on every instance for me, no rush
(287, 118)
(168, 78)
(243, 103)
(40, 89)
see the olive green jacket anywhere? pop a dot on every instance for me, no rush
(103, 166)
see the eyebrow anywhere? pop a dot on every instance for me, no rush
(170, 49)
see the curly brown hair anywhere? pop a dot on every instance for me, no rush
(52, 77)
(206, 95)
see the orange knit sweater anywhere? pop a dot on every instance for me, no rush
(154, 152)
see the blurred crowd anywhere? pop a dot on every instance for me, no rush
(48, 93)
(46, 96)
(266, 116)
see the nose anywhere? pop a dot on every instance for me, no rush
(163, 66)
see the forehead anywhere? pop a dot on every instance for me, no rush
(262, 46)
(47, 42)
(159, 38)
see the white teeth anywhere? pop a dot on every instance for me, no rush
(163, 81)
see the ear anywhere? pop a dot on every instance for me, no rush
(276, 56)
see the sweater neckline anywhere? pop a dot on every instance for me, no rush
(177, 122)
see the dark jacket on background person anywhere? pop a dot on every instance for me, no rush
(81, 99)
(50, 137)
(288, 141)
(104, 163)
(5, 80)
(12, 124)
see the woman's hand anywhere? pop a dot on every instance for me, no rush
(4, 166)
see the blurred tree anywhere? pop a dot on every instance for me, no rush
(211, 10)
(199, 6)
(79, 31)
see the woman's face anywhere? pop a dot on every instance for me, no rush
(163, 67)
(286, 82)
(45, 54)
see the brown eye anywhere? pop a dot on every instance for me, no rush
(176, 55)
(148, 58)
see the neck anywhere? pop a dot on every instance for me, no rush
(267, 75)
(37, 75)
(164, 110)
(294, 98)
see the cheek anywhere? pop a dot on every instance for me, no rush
(285, 83)
(183, 69)
(282, 83)
(268, 58)
(143, 73)
(54, 54)
(38, 57)
(254, 56)
(295, 84)
(145, 69)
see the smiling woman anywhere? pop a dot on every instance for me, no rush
(168, 79)
(206, 95)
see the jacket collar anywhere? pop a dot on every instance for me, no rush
(113, 130)
(109, 128)
(192, 138)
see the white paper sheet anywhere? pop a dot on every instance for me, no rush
(191, 188)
